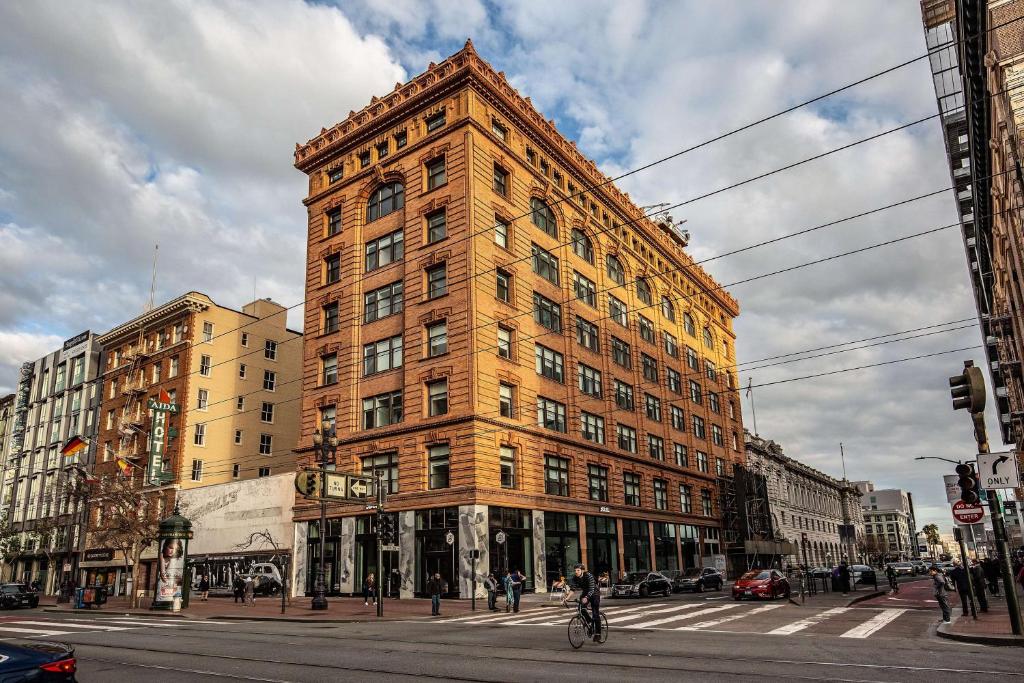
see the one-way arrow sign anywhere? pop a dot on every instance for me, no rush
(998, 470)
(358, 488)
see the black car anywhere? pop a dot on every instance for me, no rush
(36, 661)
(17, 595)
(699, 579)
(640, 585)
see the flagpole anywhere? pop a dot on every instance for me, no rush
(750, 395)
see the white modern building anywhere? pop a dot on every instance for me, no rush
(889, 524)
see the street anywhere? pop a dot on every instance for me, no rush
(690, 636)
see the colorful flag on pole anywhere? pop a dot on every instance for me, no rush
(74, 445)
(124, 466)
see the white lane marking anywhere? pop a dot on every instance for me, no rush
(539, 618)
(808, 621)
(711, 623)
(33, 631)
(142, 623)
(63, 624)
(646, 613)
(677, 617)
(873, 624)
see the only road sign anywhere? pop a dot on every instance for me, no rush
(968, 513)
(359, 487)
(998, 470)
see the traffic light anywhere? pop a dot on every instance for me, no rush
(968, 483)
(311, 485)
(388, 530)
(968, 389)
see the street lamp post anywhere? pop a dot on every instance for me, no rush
(325, 444)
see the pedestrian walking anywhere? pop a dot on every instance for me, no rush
(250, 591)
(491, 584)
(941, 591)
(991, 568)
(238, 588)
(518, 581)
(959, 577)
(509, 593)
(204, 588)
(890, 573)
(844, 577)
(435, 586)
(370, 589)
(978, 579)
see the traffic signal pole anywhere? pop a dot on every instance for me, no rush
(378, 478)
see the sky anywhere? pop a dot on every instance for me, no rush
(126, 125)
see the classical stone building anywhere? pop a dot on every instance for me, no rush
(808, 507)
(497, 328)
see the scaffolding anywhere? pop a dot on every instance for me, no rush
(747, 526)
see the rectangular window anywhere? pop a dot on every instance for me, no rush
(499, 130)
(436, 176)
(631, 488)
(667, 309)
(269, 380)
(500, 181)
(364, 159)
(623, 395)
(382, 410)
(702, 461)
(333, 222)
(335, 174)
(437, 398)
(507, 462)
(652, 405)
(439, 466)
(656, 447)
(617, 311)
(266, 444)
(550, 414)
(550, 363)
(330, 318)
(385, 250)
(172, 370)
(705, 502)
(207, 332)
(199, 435)
(597, 482)
(675, 381)
(717, 435)
(383, 355)
(650, 367)
(713, 403)
(686, 498)
(678, 421)
(382, 150)
(556, 476)
(592, 427)
(585, 289)
(437, 226)
(720, 467)
(267, 412)
(682, 456)
(620, 353)
(698, 427)
(382, 302)
(238, 437)
(501, 229)
(241, 371)
(695, 393)
(270, 349)
(503, 285)
(545, 264)
(205, 365)
(586, 335)
(506, 400)
(332, 269)
(660, 494)
(385, 464)
(692, 360)
(203, 399)
(589, 380)
(329, 369)
(437, 281)
(547, 313)
(197, 470)
(263, 472)
(156, 372)
(646, 329)
(626, 438)
(401, 137)
(504, 342)
(710, 371)
(671, 345)
(437, 339)
(435, 121)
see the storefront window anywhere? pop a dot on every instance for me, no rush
(688, 538)
(665, 558)
(433, 552)
(517, 550)
(561, 544)
(602, 547)
(636, 545)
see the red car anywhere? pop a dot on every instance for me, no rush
(762, 583)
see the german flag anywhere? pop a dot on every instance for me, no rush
(74, 445)
(124, 466)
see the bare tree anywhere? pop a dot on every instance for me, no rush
(10, 543)
(261, 539)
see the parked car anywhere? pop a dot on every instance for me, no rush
(36, 661)
(671, 575)
(17, 595)
(920, 567)
(904, 568)
(819, 572)
(698, 580)
(862, 574)
(640, 585)
(763, 583)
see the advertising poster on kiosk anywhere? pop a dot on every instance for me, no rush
(171, 570)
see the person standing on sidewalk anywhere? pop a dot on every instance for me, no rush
(204, 588)
(238, 588)
(434, 586)
(491, 584)
(509, 593)
(517, 588)
(978, 579)
(250, 592)
(369, 589)
(991, 568)
(959, 576)
(941, 591)
(844, 577)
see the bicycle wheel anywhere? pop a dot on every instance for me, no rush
(604, 629)
(577, 632)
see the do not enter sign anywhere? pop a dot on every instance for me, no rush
(968, 513)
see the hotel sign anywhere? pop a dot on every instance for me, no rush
(75, 346)
(159, 409)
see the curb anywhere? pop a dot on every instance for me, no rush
(868, 596)
(987, 639)
(118, 613)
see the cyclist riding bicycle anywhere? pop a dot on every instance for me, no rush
(590, 594)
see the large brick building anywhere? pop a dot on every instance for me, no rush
(495, 326)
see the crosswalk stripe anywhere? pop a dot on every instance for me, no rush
(32, 631)
(141, 623)
(63, 624)
(806, 622)
(494, 618)
(873, 624)
(711, 623)
(644, 614)
(539, 618)
(677, 617)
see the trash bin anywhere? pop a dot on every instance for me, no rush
(79, 598)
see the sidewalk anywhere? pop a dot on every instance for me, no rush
(339, 609)
(990, 628)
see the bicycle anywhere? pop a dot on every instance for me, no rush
(581, 626)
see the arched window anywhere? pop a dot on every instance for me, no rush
(384, 200)
(708, 340)
(667, 309)
(542, 217)
(615, 270)
(691, 329)
(643, 290)
(582, 246)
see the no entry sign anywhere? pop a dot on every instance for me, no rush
(968, 513)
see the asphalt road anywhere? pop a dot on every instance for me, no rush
(691, 637)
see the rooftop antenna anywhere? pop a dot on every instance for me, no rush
(842, 457)
(152, 284)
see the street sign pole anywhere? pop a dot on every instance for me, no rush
(378, 478)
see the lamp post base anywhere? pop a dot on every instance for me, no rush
(319, 593)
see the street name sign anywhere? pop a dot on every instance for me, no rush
(998, 470)
(968, 513)
(952, 487)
